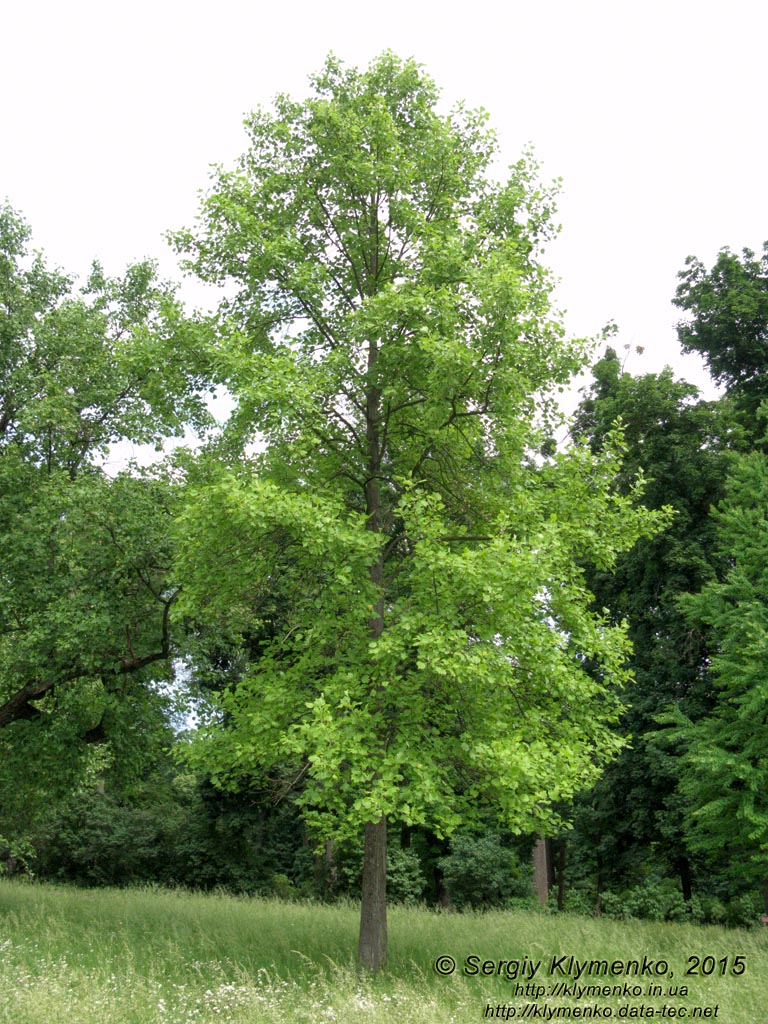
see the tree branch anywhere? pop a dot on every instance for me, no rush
(19, 706)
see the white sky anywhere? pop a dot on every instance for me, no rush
(653, 114)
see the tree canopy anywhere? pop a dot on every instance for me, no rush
(681, 445)
(725, 767)
(84, 556)
(728, 322)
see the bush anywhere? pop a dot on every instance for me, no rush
(184, 833)
(660, 899)
(481, 872)
(15, 856)
(406, 882)
(744, 911)
(580, 900)
(95, 840)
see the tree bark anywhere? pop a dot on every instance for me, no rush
(542, 871)
(561, 856)
(18, 707)
(372, 948)
(330, 874)
(686, 879)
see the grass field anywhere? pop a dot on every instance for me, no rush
(69, 956)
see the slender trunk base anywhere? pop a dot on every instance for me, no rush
(542, 869)
(372, 950)
(561, 856)
(686, 878)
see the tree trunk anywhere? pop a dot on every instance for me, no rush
(686, 879)
(561, 855)
(372, 949)
(325, 871)
(542, 860)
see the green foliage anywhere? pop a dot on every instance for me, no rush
(480, 872)
(389, 342)
(654, 900)
(96, 840)
(116, 361)
(15, 856)
(659, 899)
(725, 766)
(86, 592)
(728, 324)
(83, 617)
(173, 831)
(635, 818)
(405, 877)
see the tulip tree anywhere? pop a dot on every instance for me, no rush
(390, 345)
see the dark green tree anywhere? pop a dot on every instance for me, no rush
(680, 445)
(728, 322)
(724, 773)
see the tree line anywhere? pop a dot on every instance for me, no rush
(419, 628)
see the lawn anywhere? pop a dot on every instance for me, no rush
(71, 956)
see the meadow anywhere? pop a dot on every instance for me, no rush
(134, 956)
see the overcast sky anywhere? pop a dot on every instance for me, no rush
(653, 114)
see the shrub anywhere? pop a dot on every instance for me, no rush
(481, 872)
(15, 856)
(660, 899)
(406, 882)
(95, 840)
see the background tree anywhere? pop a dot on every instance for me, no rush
(724, 772)
(390, 344)
(86, 594)
(687, 449)
(635, 817)
(728, 322)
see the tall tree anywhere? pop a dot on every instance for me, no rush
(727, 323)
(725, 768)
(682, 446)
(86, 595)
(390, 344)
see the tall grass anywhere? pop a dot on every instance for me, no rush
(69, 956)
